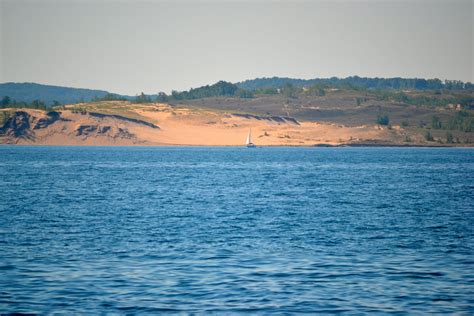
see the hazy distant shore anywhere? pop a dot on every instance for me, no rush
(119, 123)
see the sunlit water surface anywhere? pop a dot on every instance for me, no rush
(147, 230)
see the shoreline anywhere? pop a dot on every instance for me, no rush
(243, 146)
(163, 126)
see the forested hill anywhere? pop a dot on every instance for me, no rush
(358, 82)
(28, 92)
(42, 96)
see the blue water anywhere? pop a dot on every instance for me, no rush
(287, 230)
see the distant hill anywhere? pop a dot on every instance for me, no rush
(357, 82)
(27, 92)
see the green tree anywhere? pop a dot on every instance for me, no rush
(463, 121)
(288, 90)
(221, 88)
(401, 98)
(176, 95)
(142, 98)
(5, 101)
(428, 136)
(110, 97)
(436, 122)
(38, 104)
(383, 120)
(449, 138)
(316, 89)
(245, 94)
(161, 97)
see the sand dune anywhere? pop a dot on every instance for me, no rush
(119, 123)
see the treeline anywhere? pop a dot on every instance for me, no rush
(448, 140)
(356, 82)
(141, 98)
(291, 91)
(109, 97)
(461, 121)
(221, 88)
(386, 95)
(29, 92)
(7, 102)
(383, 90)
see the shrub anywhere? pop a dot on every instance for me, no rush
(449, 138)
(428, 136)
(383, 120)
(436, 122)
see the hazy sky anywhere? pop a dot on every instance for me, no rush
(132, 46)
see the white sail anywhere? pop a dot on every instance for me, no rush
(249, 138)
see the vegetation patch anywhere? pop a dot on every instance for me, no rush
(4, 116)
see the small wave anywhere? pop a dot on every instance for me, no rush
(7, 267)
(416, 275)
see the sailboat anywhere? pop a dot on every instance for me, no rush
(249, 140)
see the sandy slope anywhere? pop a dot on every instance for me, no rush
(210, 128)
(132, 125)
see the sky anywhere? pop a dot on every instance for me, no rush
(133, 46)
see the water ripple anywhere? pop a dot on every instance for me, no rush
(229, 230)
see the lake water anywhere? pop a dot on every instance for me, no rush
(285, 230)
